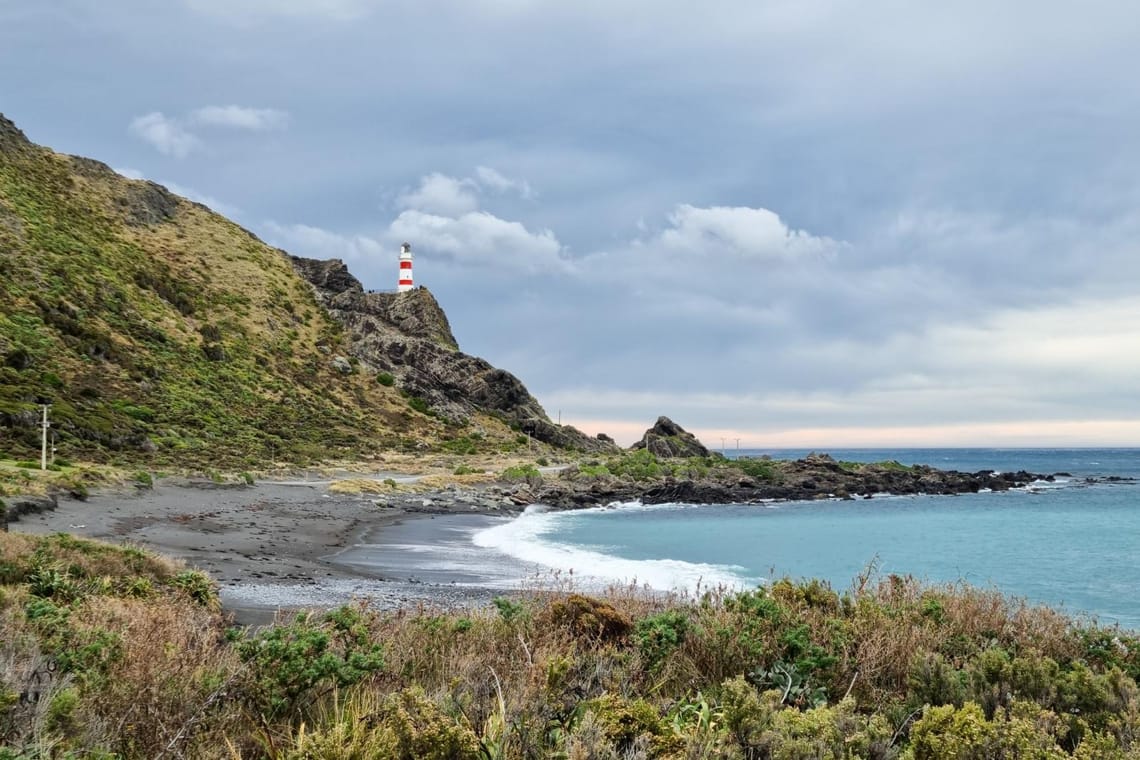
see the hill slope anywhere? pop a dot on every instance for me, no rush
(164, 333)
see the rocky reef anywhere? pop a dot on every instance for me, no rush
(724, 482)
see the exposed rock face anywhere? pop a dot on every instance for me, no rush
(408, 335)
(11, 138)
(667, 439)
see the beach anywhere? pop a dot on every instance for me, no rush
(278, 545)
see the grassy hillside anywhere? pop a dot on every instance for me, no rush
(163, 333)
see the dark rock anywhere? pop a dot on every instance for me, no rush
(148, 203)
(816, 477)
(606, 439)
(407, 335)
(25, 505)
(12, 140)
(667, 439)
(331, 276)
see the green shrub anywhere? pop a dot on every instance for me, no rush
(287, 663)
(198, 586)
(509, 610)
(386, 379)
(521, 472)
(658, 635)
(144, 479)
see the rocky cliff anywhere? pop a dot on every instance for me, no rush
(407, 335)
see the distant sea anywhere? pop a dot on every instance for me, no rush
(1070, 544)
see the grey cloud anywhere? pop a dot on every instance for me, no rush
(840, 202)
(440, 194)
(240, 117)
(164, 134)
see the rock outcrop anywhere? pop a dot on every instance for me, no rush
(667, 440)
(753, 481)
(407, 335)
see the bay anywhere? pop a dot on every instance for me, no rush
(1071, 544)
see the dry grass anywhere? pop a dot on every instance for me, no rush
(623, 674)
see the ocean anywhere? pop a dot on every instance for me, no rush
(1070, 544)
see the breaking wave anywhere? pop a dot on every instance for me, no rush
(526, 538)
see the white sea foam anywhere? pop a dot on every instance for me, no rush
(526, 538)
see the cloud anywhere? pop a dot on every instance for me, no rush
(442, 216)
(482, 238)
(742, 231)
(440, 194)
(493, 180)
(171, 137)
(318, 243)
(239, 117)
(165, 134)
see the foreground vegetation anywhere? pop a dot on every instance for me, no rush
(112, 652)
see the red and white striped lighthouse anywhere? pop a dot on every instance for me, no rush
(405, 268)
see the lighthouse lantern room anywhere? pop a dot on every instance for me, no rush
(405, 282)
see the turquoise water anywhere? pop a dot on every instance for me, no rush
(1069, 544)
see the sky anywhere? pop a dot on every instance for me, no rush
(796, 223)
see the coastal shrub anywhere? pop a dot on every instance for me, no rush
(466, 444)
(626, 726)
(290, 664)
(660, 634)
(198, 586)
(641, 464)
(521, 472)
(466, 470)
(144, 480)
(590, 618)
(402, 725)
(419, 405)
(386, 379)
(509, 610)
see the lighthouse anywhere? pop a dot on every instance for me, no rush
(405, 283)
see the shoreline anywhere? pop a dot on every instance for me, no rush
(270, 546)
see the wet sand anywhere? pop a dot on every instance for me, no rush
(275, 545)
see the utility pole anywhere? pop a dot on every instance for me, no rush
(722, 446)
(43, 444)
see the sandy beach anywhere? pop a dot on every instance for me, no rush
(283, 545)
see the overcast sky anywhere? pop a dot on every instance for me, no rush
(797, 223)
